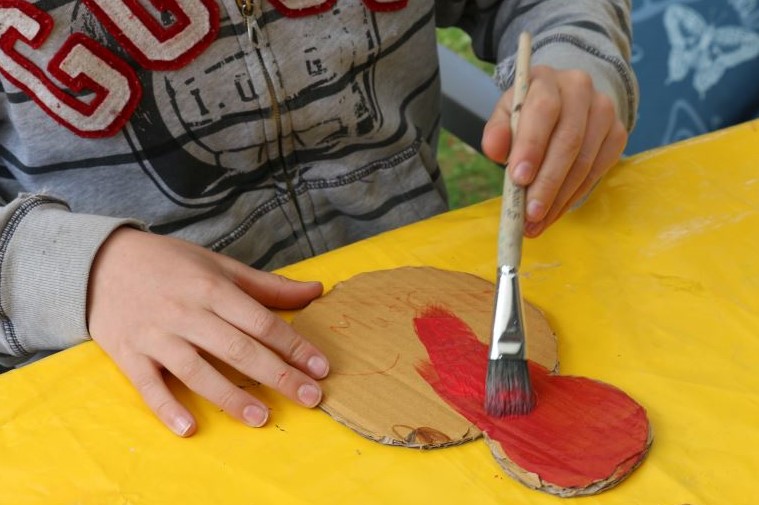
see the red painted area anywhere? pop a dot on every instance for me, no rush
(581, 431)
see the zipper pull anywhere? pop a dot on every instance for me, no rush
(249, 16)
(251, 30)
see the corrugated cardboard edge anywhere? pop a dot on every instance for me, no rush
(384, 303)
(413, 440)
(534, 481)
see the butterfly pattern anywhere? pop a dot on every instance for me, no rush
(708, 50)
(697, 63)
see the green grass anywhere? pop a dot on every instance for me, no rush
(469, 176)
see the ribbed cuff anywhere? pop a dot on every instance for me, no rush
(45, 257)
(610, 73)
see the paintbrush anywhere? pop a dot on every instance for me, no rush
(508, 390)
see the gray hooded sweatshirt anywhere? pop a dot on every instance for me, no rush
(270, 131)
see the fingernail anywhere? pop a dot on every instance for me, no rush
(181, 425)
(522, 173)
(317, 366)
(534, 210)
(533, 229)
(309, 395)
(255, 416)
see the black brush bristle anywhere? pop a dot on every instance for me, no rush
(508, 390)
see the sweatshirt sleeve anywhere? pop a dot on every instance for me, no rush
(45, 257)
(590, 35)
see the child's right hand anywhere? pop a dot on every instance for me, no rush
(158, 303)
(569, 137)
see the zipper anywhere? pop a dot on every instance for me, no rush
(255, 36)
(250, 13)
(254, 31)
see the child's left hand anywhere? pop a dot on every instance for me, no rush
(568, 137)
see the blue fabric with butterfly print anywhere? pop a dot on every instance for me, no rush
(697, 63)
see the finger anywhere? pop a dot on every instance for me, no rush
(496, 136)
(273, 290)
(254, 359)
(540, 114)
(600, 119)
(249, 317)
(147, 379)
(566, 140)
(190, 367)
(608, 155)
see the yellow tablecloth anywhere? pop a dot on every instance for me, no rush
(653, 286)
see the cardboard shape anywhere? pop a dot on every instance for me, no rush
(582, 436)
(365, 325)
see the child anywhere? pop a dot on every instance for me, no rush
(148, 157)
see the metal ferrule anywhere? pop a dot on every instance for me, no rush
(508, 338)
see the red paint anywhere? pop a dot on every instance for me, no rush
(580, 432)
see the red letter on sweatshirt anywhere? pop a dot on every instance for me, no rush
(154, 46)
(80, 64)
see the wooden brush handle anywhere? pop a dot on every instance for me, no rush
(512, 203)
